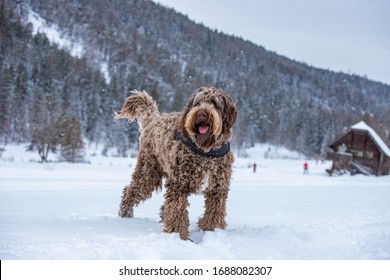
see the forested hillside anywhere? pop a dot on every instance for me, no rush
(124, 45)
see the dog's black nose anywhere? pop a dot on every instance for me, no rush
(202, 115)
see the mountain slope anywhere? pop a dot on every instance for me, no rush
(140, 44)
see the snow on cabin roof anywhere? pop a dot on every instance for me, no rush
(382, 145)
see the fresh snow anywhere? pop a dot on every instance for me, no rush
(74, 46)
(54, 35)
(69, 211)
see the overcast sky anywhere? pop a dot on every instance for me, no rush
(352, 36)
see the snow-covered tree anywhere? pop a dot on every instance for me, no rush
(72, 146)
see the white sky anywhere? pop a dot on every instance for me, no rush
(352, 36)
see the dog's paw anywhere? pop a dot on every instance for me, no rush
(126, 213)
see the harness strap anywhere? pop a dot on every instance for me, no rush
(220, 152)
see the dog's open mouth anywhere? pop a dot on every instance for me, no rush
(203, 129)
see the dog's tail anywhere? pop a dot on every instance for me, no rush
(141, 106)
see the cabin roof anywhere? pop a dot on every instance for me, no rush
(362, 126)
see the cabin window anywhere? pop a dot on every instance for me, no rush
(342, 148)
(369, 155)
(357, 153)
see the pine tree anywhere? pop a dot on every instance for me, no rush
(44, 128)
(155, 95)
(20, 105)
(178, 101)
(72, 146)
(6, 90)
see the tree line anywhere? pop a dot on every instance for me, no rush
(150, 47)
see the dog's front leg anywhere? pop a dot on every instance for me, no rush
(175, 213)
(215, 200)
(215, 212)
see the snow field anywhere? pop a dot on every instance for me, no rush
(69, 211)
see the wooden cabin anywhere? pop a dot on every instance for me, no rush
(360, 150)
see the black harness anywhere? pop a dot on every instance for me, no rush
(220, 152)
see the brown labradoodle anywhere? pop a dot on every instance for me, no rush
(187, 148)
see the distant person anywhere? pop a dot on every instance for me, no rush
(254, 167)
(305, 168)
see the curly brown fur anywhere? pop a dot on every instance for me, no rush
(207, 120)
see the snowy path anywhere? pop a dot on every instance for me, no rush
(63, 211)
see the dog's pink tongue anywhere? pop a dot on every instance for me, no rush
(203, 129)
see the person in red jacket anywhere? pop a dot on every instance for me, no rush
(305, 168)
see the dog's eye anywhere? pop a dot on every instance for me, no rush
(215, 103)
(196, 102)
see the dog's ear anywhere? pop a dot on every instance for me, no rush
(229, 113)
(186, 110)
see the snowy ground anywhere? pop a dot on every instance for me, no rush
(69, 211)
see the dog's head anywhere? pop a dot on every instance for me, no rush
(208, 118)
